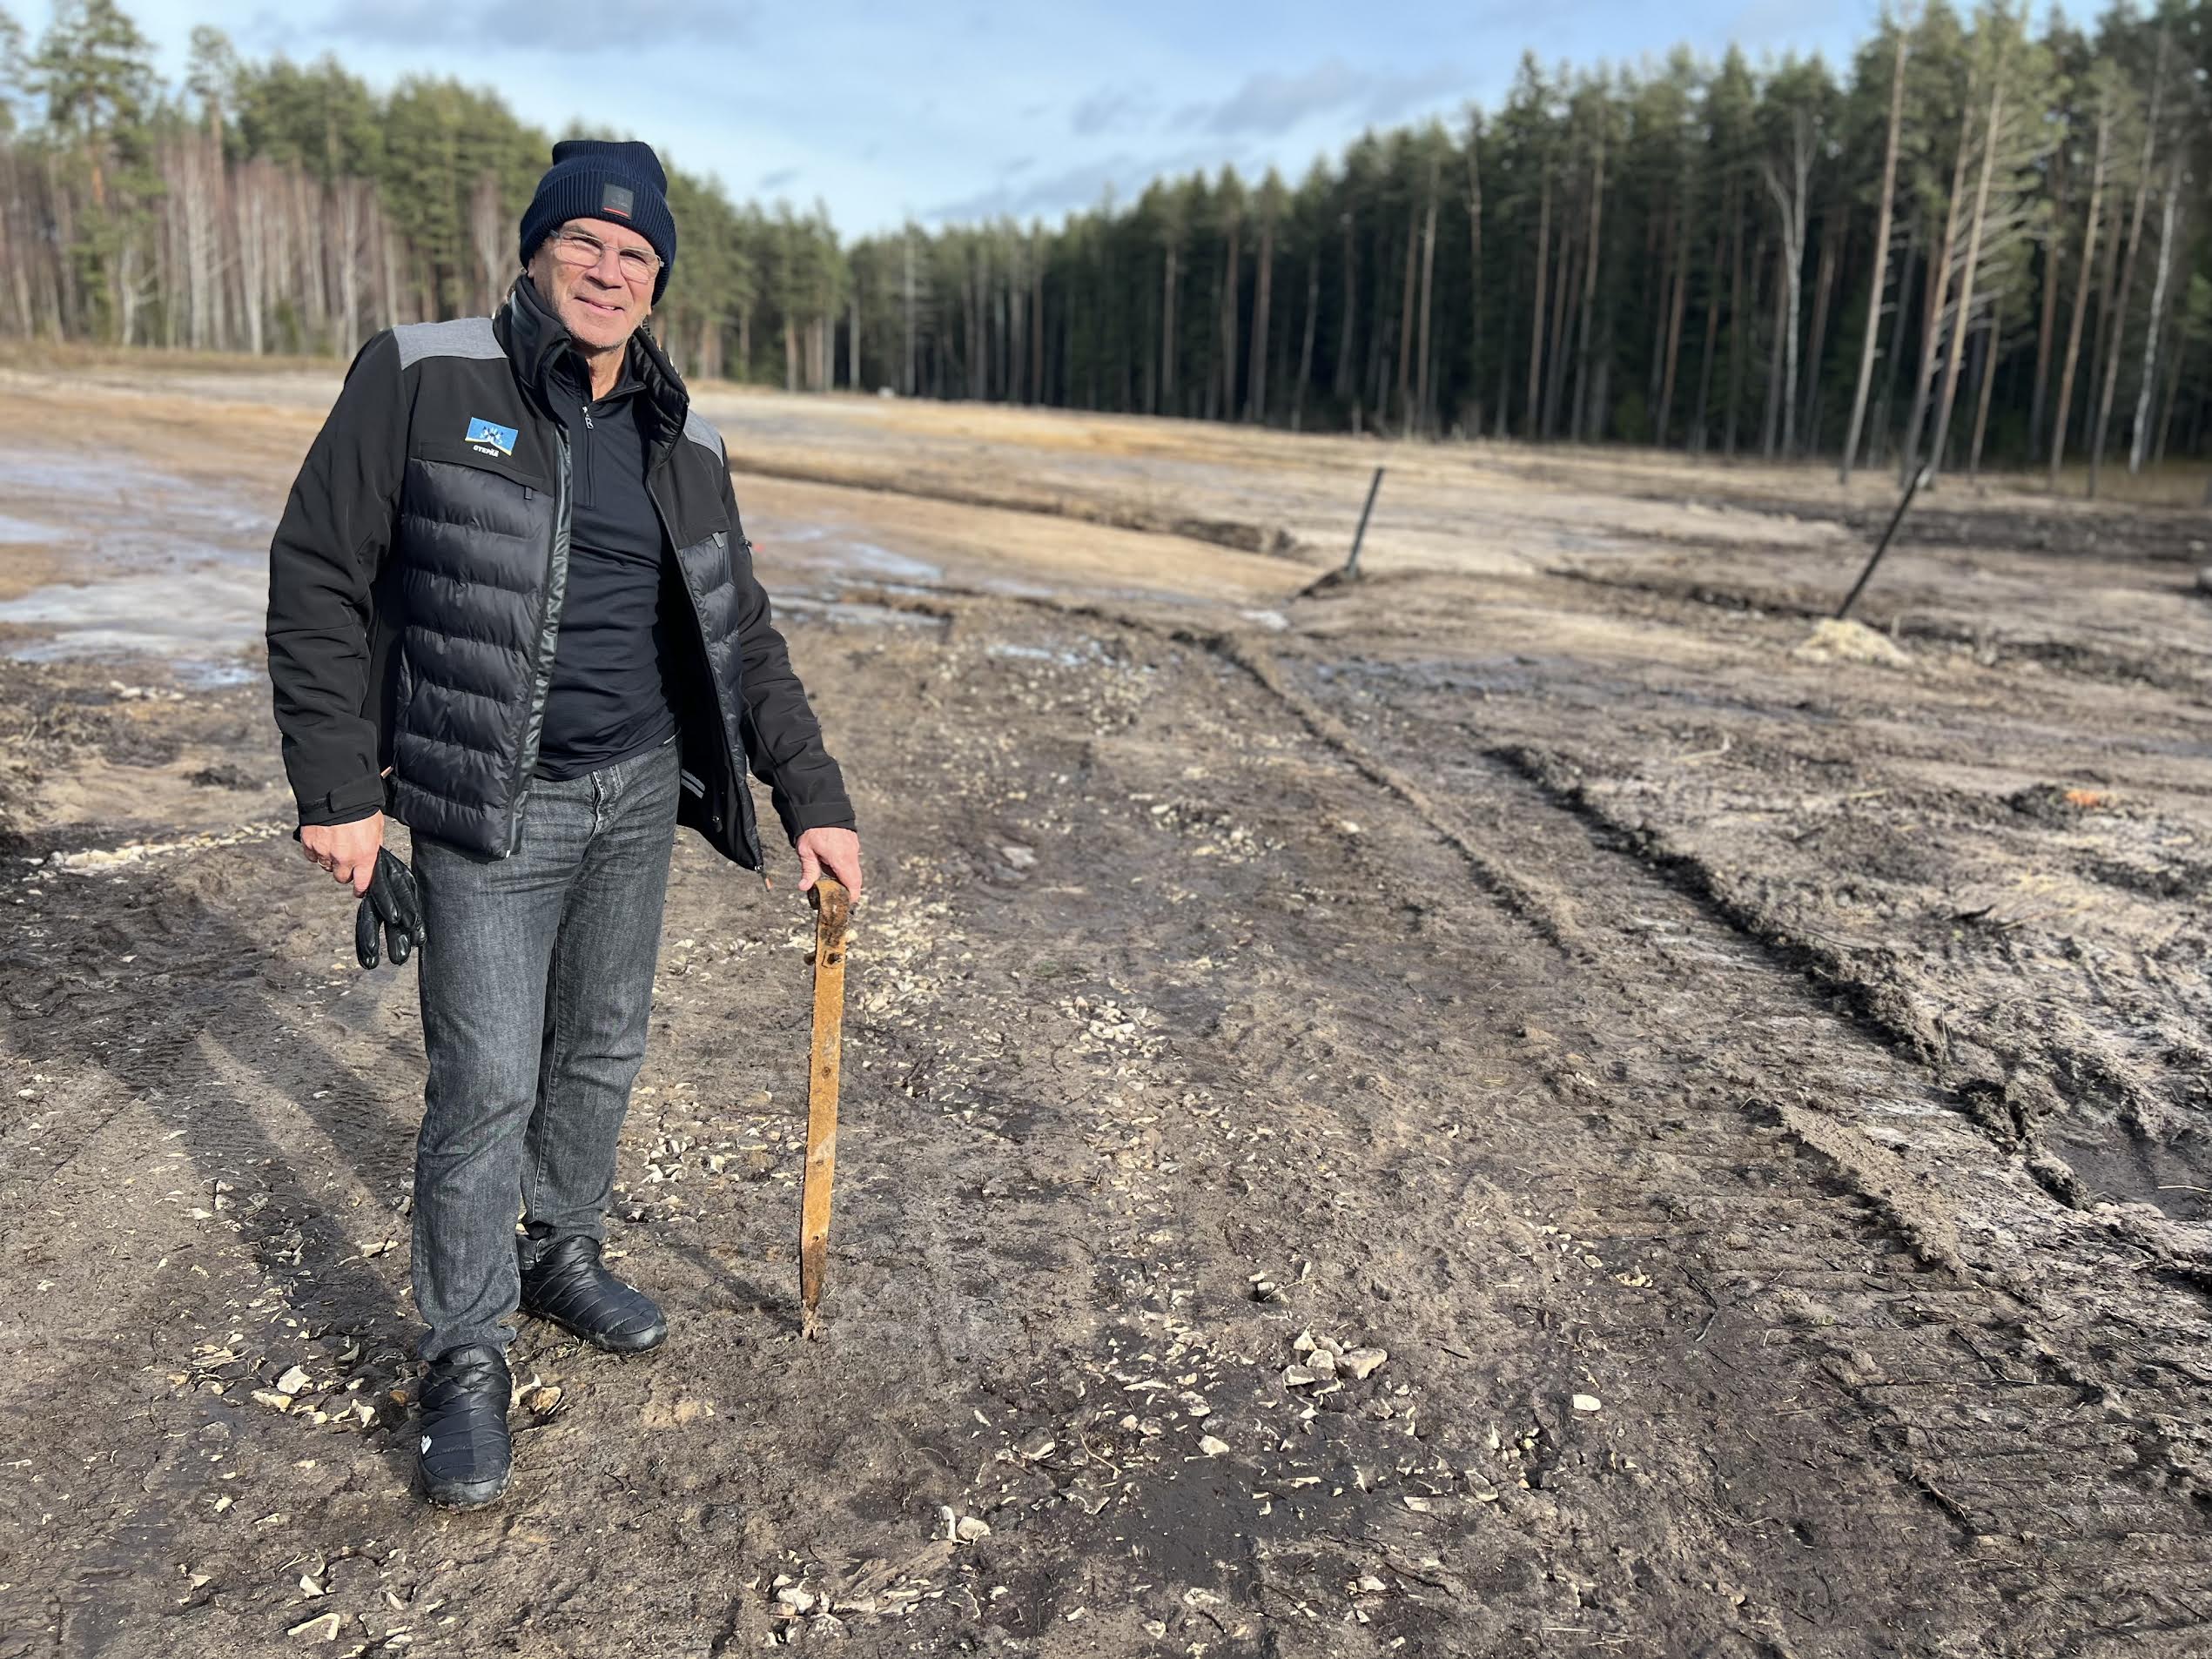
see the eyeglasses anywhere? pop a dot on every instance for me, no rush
(585, 251)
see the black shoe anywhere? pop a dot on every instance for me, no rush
(569, 1288)
(464, 1455)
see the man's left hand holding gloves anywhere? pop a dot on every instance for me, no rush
(391, 902)
(356, 854)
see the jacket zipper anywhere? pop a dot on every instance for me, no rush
(541, 665)
(590, 486)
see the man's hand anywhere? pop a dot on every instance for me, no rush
(346, 850)
(837, 851)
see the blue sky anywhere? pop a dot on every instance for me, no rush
(974, 107)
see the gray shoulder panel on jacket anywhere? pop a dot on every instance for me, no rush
(462, 336)
(700, 431)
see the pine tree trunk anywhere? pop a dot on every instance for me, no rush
(387, 266)
(1776, 396)
(1340, 389)
(1790, 198)
(1567, 279)
(1992, 337)
(2062, 412)
(2119, 321)
(1834, 234)
(1967, 279)
(1939, 297)
(1474, 270)
(2116, 239)
(1535, 325)
(1167, 337)
(1736, 355)
(1658, 246)
(1305, 350)
(252, 248)
(2179, 349)
(1406, 331)
(1883, 431)
(2157, 318)
(906, 386)
(1665, 407)
(351, 213)
(1587, 417)
(2047, 330)
(1423, 415)
(1228, 326)
(1256, 401)
(314, 235)
(1700, 428)
(1213, 358)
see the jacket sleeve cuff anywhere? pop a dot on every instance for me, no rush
(347, 803)
(814, 814)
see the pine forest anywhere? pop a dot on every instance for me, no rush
(1984, 242)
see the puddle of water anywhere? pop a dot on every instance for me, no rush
(19, 530)
(824, 561)
(818, 548)
(882, 562)
(181, 619)
(170, 568)
(68, 474)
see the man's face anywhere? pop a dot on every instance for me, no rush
(602, 304)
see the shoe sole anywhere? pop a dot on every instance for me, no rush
(465, 1494)
(654, 1338)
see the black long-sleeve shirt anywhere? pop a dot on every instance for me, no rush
(610, 697)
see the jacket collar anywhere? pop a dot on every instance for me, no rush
(535, 337)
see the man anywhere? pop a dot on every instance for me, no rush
(511, 603)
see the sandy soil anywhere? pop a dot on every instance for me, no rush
(1754, 1098)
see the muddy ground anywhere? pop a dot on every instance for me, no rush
(1755, 1097)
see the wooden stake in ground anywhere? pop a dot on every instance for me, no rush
(831, 907)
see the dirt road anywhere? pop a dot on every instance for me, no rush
(1505, 1109)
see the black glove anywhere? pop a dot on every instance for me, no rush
(391, 901)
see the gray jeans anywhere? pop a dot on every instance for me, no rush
(537, 982)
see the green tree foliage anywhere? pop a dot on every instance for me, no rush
(1683, 254)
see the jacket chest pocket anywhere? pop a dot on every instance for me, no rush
(476, 518)
(443, 471)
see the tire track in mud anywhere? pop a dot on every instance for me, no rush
(2077, 1323)
(1204, 1211)
(2014, 1087)
(1987, 1309)
(1883, 1362)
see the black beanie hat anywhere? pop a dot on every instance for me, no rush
(622, 183)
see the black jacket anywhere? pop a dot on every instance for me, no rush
(415, 584)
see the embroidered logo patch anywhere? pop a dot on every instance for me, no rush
(489, 438)
(616, 198)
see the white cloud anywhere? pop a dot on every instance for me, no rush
(562, 28)
(1271, 104)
